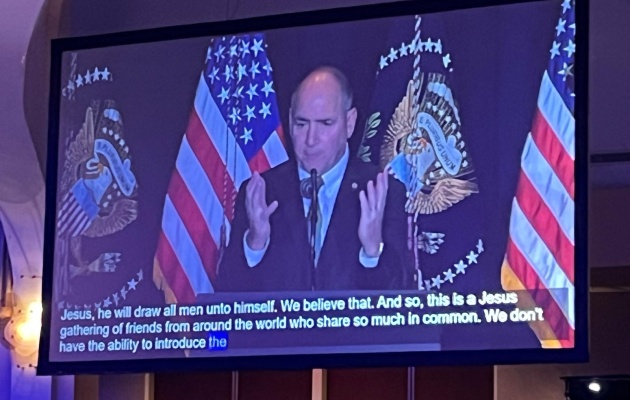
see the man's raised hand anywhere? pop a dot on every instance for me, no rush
(258, 212)
(372, 211)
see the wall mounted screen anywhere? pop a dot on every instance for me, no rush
(368, 186)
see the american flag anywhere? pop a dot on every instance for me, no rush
(234, 130)
(539, 260)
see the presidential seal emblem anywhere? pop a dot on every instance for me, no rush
(423, 148)
(417, 135)
(97, 191)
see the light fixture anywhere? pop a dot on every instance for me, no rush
(28, 330)
(594, 386)
(22, 332)
(597, 387)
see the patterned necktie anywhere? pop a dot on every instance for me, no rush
(306, 191)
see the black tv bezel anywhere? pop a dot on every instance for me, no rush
(509, 356)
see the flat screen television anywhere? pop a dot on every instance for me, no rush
(395, 184)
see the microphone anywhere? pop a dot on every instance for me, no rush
(306, 184)
(309, 188)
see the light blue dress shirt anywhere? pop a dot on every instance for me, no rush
(326, 196)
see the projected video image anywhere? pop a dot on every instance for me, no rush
(399, 184)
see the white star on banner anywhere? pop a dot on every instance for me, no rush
(403, 49)
(252, 91)
(228, 73)
(268, 68)
(446, 60)
(254, 69)
(250, 113)
(555, 49)
(132, 284)
(79, 80)
(436, 282)
(428, 45)
(392, 55)
(247, 136)
(242, 71)
(96, 76)
(560, 28)
(566, 71)
(448, 276)
(234, 115)
(233, 50)
(107, 302)
(213, 74)
(480, 247)
(225, 93)
(219, 53)
(438, 46)
(570, 49)
(472, 257)
(257, 47)
(383, 63)
(245, 47)
(105, 74)
(264, 110)
(267, 88)
(460, 267)
(566, 5)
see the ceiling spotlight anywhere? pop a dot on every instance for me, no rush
(594, 386)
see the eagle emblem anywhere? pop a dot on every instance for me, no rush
(97, 191)
(423, 148)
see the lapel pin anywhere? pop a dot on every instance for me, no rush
(354, 185)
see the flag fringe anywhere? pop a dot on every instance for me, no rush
(162, 284)
(542, 329)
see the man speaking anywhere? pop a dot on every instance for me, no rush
(352, 237)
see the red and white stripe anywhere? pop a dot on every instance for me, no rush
(210, 168)
(541, 242)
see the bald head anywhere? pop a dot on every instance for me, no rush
(326, 73)
(321, 119)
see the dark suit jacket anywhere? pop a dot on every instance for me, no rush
(286, 263)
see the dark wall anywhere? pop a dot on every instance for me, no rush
(367, 384)
(455, 383)
(253, 385)
(193, 385)
(439, 383)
